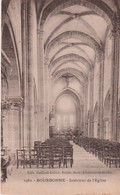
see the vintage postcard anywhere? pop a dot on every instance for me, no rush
(60, 97)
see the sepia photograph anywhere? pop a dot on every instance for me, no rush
(60, 97)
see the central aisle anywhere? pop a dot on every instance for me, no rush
(87, 173)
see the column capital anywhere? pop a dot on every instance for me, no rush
(116, 27)
(16, 102)
(115, 32)
(5, 107)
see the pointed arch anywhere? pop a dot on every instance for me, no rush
(10, 49)
(69, 57)
(89, 41)
(99, 7)
(71, 92)
(79, 75)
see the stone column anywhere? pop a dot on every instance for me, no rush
(91, 102)
(46, 100)
(5, 107)
(118, 126)
(88, 124)
(40, 58)
(114, 82)
(16, 135)
(79, 114)
(50, 92)
(101, 90)
(50, 103)
(25, 124)
(21, 132)
(85, 107)
(82, 117)
(31, 64)
(35, 118)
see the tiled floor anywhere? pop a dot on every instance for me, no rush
(88, 176)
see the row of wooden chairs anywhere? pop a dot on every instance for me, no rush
(51, 152)
(44, 156)
(107, 151)
(67, 136)
(64, 146)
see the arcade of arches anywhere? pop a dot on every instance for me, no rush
(60, 70)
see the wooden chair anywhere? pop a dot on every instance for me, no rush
(45, 158)
(33, 157)
(105, 155)
(100, 152)
(118, 156)
(68, 156)
(56, 156)
(20, 158)
(109, 155)
(112, 158)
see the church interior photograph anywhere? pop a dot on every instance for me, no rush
(60, 89)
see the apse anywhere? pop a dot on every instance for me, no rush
(65, 113)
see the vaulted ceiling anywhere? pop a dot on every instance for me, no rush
(74, 36)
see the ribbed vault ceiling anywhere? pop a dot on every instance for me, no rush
(74, 36)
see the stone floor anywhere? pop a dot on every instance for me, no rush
(88, 176)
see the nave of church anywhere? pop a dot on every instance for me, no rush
(60, 80)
